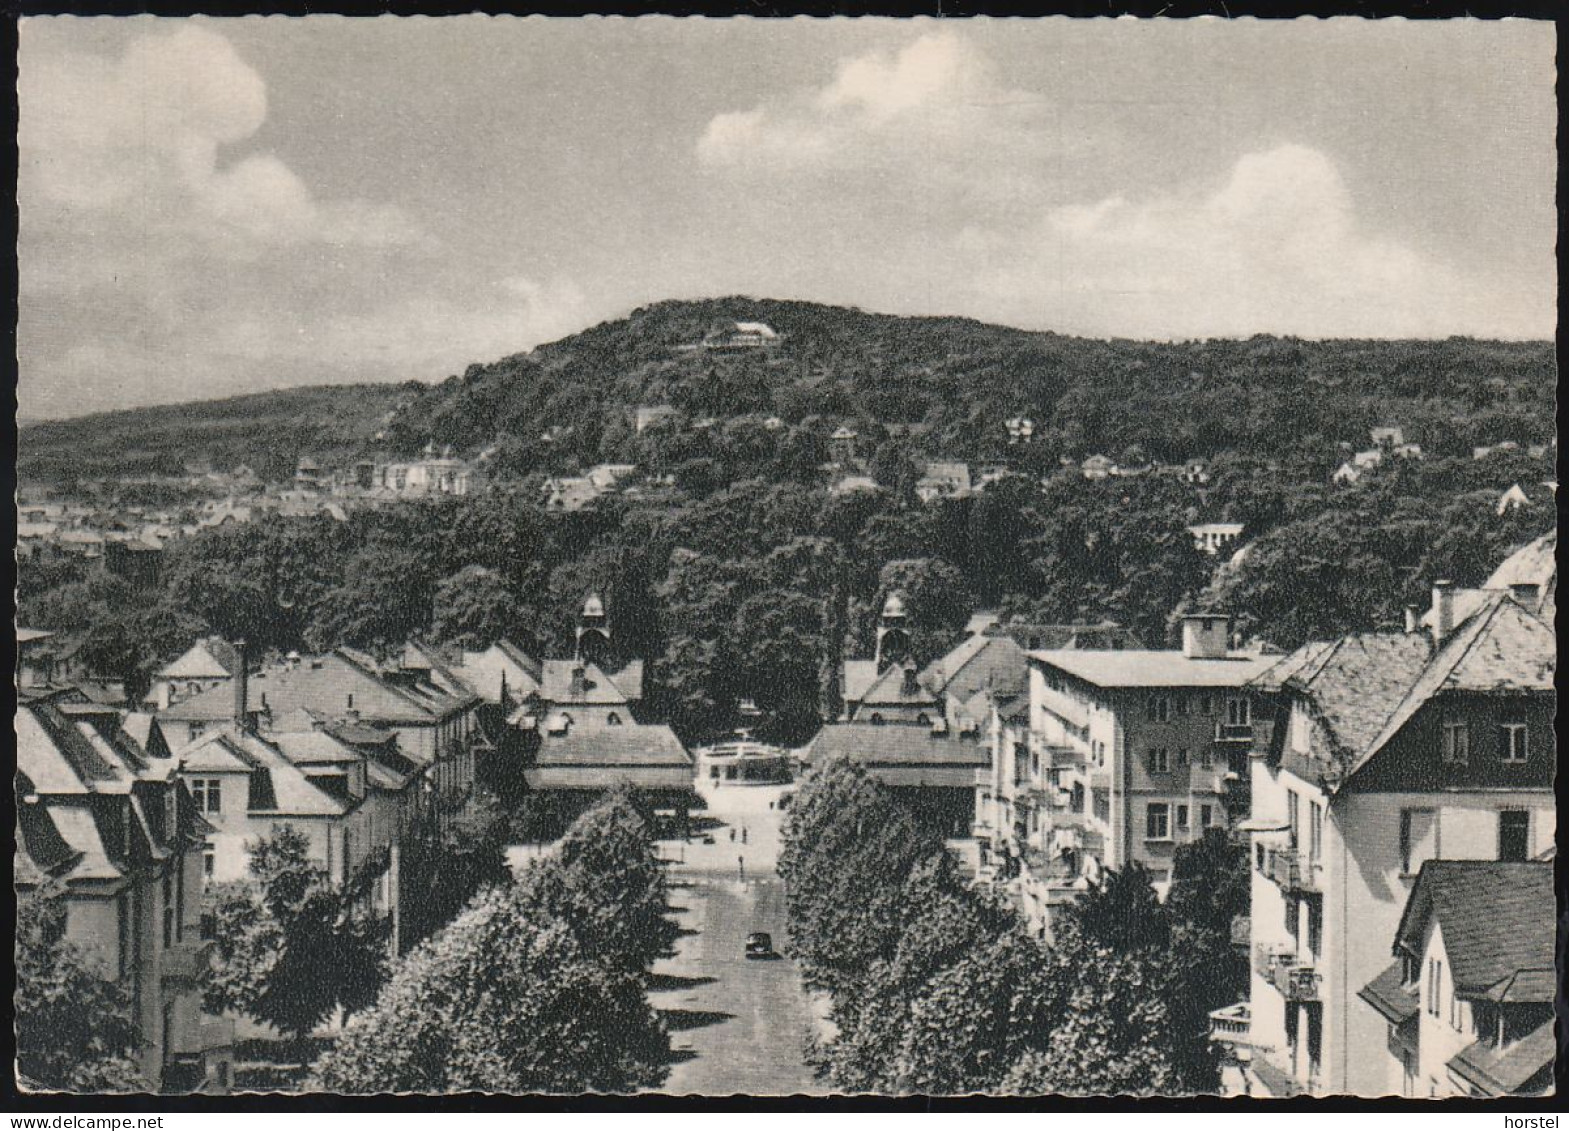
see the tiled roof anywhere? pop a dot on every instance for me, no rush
(1533, 564)
(1388, 994)
(1356, 683)
(889, 689)
(608, 777)
(1140, 668)
(598, 688)
(1502, 648)
(630, 744)
(859, 675)
(1496, 917)
(1503, 1070)
(894, 744)
(978, 663)
(277, 785)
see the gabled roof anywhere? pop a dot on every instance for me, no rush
(1501, 648)
(859, 675)
(890, 689)
(1535, 563)
(976, 664)
(206, 659)
(1497, 921)
(1390, 996)
(1354, 684)
(894, 744)
(277, 785)
(1510, 1069)
(598, 688)
(631, 744)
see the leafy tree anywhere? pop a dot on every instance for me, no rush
(442, 864)
(309, 946)
(74, 1030)
(474, 608)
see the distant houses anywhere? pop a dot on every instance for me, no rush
(1214, 537)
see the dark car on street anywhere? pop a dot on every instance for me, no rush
(759, 944)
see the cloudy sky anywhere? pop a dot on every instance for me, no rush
(218, 206)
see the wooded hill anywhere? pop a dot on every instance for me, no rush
(958, 378)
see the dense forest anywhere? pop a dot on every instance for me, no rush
(739, 574)
(954, 379)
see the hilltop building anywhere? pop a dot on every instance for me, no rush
(1213, 537)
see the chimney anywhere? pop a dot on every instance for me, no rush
(1204, 636)
(911, 685)
(242, 677)
(1413, 619)
(1443, 610)
(579, 681)
(1525, 593)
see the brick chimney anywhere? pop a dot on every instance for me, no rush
(1204, 636)
(579, 686)
(242, 688)
(1443, 610)
(912, 684)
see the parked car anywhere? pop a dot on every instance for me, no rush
(759, 944)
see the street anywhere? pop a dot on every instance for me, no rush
(737, 1024)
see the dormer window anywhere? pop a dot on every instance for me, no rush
(613, 719)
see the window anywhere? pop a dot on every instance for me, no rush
(613, 719)
(1238, 712)
(1207, 704)
(1160, 760)
(168, 910)
(1206, 758)
(1514, 834)
(1157, 821)
(1206, 816)
(1454, 1008)
(1160, 708)
(351, 701)
(1418, 839)
(877, 719)
(1182, 705)
(1315, 830)
(1182, 756)
(1294, 818)
(1457, 743)
(1511, 742)
(1435, 976)
(208, 794)
(1182, 817)
(208, 858)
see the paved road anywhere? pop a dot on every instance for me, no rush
(737, 1024)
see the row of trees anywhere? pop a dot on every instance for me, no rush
(538, 986)
(936, 988)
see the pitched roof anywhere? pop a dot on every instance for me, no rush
(976, 664)
(1532, 564)
(1142, 668)
(1354, 683)
(1390, 996)
(1497, 921)
(1500, 648)
(630, 744)
(859, 675)
(1508, 1069)
(597, 689)
(894, 744)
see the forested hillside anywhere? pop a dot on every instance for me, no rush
(265, 431)
(958, 378)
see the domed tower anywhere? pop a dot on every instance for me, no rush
(893, 633)
(593, 630)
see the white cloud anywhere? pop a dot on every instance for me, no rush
(931, 114)
(136, 142)
(1277, 244)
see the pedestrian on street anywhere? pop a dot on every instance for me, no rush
(732, 836)
(743, 834)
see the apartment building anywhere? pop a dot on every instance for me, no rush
(1469, 998)
(1125, 755)
(113, 827)
(1372, 755)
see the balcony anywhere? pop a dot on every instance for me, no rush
(1292, 872)
(1233, 732)
(186, 961)
(1278, 966)
(1232, 1026)
(1066, 757)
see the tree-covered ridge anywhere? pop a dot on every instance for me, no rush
(266, 432)
(957, 379)
(961, 379)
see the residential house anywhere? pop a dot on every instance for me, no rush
(841, 446)
(1530, 574)
(606, 476)
(1512, 499)
(207, 664)
(943, 479)
(1376, 753)
(308, 475)
(503, 674)
(1213, 537)
(1346, 474)
(1128, 754)
(1368, 460)
(1468, 1000)
(1387, 437)
(1097, 467)
(34, 658)
(850, 484)
(431, 475)
(570, 493)
(434, 726)
(109, 823)
(741, 337)
(1021, 429)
